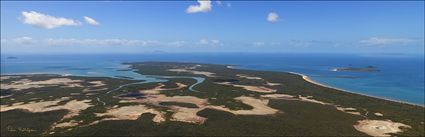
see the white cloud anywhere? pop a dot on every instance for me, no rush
(204, 6)
(301, 43)
(78, 42)
(213, 42)
(177, 43)
(46, 21)
(94, 42)
(258, 44)
(272, 17)
(107, 42)
(90, 21)
(24, 40)
(380, 41)
(98, 42)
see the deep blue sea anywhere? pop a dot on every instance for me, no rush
(401, 77)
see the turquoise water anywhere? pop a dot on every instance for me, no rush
(400, 77)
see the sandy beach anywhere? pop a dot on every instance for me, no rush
(306, 78)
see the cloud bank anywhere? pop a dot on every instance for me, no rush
(381, 41)
(46, 21)
(28, 41)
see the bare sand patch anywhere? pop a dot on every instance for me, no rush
(159, 88)
(6, 96)
(273, 84)
(348, 110)
(378, 114)
(74, 107)
(71, 123)
(231, 67)
(188, 115)
(131, 113)
(259, 107)
(91, 90)
(205, 73)
(260, 89)
(27, 84)
(379, 127)
(8, 77)
(248, 77)
(156, 99)
(310, 99)
(150, 91)
(195, 66)
(33, 107)
(97, 83)
(182, 114)
(279, 96)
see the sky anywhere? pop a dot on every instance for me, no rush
(212, 26)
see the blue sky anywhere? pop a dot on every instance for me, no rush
(225, 26)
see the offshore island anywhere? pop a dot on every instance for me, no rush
(190, 99)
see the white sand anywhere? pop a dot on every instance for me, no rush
(379, 127)
(27, 84)
(279, 96)
(188, 115)
(131, 113)
(259, 107)
(160, 88)
(378, 114)
(97, 83)
(248, 77)
(8, 77)
(273, 84)
(74, 107)
(260, 89)
(309, 99)
(348, 110)
(205, 73)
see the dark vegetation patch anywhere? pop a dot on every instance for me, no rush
(22, 123)
(132, 94)
(225, 80)
(181, 104)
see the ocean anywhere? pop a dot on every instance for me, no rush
(400, 77)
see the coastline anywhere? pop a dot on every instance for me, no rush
(306, 78)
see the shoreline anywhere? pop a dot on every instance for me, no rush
(306, 78)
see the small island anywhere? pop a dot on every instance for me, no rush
(11, 57)
(354, 69)
(193, 99)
